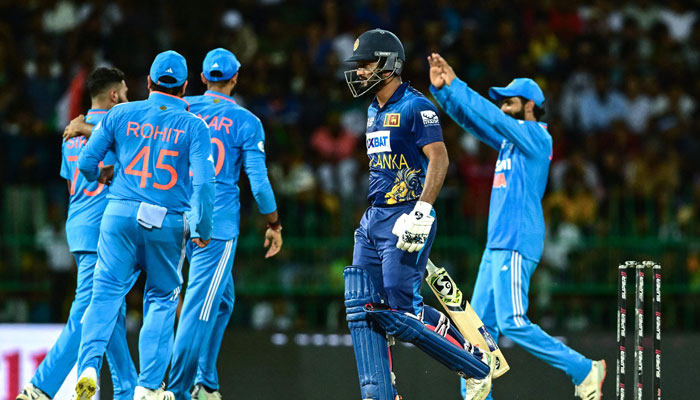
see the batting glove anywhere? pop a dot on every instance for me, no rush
(413, 229)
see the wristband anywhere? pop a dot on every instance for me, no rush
(275, 226)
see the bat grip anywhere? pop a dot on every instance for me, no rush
(430, 267)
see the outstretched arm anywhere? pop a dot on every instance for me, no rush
(449, 91)
(480, 116)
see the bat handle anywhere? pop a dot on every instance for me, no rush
(430, 267)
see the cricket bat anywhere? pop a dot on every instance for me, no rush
(463, 315)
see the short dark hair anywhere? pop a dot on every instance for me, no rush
(218, 83)
(173, 91)
(102, 78)
(539, 112)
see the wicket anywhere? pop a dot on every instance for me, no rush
(639, 269)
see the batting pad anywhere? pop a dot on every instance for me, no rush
(408, 328)
(369, 341)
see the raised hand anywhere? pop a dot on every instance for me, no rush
(441, 72)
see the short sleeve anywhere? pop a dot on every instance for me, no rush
(425, 122)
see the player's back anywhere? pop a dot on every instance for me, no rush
(87, 200)
(233, 130)
(152, 140)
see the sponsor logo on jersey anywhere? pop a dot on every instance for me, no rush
(392, 120)
(261, 146)
(370, 121)
(503, 165)
(430, 117)
(378, 142)
(499, 180)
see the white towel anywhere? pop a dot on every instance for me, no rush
(150, 215)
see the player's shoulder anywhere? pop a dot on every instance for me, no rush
(244, 114)
(128, 106)
(131, 107)
(537, 127)
(417, 100)
(539, 133)
(193, 119)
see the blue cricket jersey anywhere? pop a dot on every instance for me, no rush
(156, 142)
(516, 221)
(87, 199)
(395, 135)
(237, 140)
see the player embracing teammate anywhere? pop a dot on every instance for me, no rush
(237, 141)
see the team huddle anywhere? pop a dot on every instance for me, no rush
(154, 181)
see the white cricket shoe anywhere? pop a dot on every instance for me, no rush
(87, 385)
(142, 393)
(592, 387)
(200, 393)
(165, 394)
(478, 389)
(31, 392)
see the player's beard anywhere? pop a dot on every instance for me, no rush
(379, 86)
(518, 114)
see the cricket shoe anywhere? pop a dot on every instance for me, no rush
(478, 389)
(142, 393)
(200, 393)
(87, 385)
(592, 387)
(31, 392)
(165, 394)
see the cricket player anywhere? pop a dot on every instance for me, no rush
(238, 140)
(408, 162)
(516, 223)
(86, 205)
(157, 142)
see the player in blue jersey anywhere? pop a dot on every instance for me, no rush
(516, 223)
(157, 142)
(86, 205)
(238, 141)
(408, 162)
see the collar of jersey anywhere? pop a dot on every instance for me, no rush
(220, 96)
(96, 111)
(164, 98)
(398, 94)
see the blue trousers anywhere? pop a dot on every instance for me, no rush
(208, 304)
(124, 248)
(500, 299)
(59, 361)
(395, 273)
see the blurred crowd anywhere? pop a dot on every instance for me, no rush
(621, 79)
